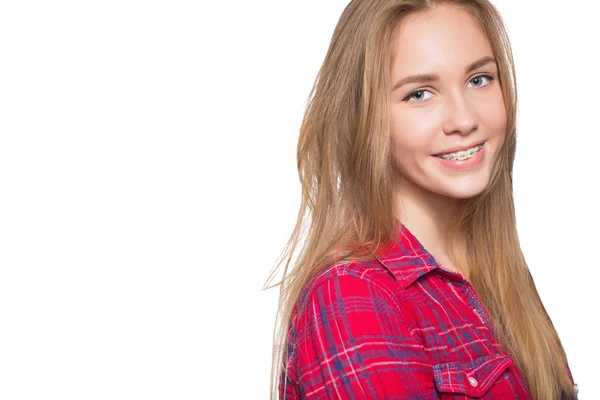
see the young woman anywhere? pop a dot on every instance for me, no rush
(411, 283)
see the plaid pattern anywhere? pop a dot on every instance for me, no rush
(400, 327)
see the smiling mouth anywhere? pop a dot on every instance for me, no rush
(461, 155)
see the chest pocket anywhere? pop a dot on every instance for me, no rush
(472, 378)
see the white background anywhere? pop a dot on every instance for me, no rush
(148, 184)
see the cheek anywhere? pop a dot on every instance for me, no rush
(411, 132)
(493, 115)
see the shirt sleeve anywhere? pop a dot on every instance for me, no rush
(353, 344)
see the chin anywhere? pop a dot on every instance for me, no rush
(468, 191)
(464, 196)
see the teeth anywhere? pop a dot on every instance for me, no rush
(461, 155)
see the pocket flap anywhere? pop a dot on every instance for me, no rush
(472, 378)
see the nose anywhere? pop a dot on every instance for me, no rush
(461, 117)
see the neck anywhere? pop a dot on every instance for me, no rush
(426, 214)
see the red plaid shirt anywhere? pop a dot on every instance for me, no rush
(398, 328)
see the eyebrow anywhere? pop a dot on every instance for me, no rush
(431, 77)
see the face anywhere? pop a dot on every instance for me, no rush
(460, 107)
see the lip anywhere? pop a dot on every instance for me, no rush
(459, 148)
(469, 164)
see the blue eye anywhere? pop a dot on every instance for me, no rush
(414, 95)
(478, 77)
(419, 95)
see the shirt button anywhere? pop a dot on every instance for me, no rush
(473, 381)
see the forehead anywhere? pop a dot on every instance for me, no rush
(444, 39)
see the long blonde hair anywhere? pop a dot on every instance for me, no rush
(346, 170)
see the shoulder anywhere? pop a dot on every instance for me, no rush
(369, 273)
(354, 284)
(349, 328)
(358, 273)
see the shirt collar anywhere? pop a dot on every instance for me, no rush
(405, 257)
